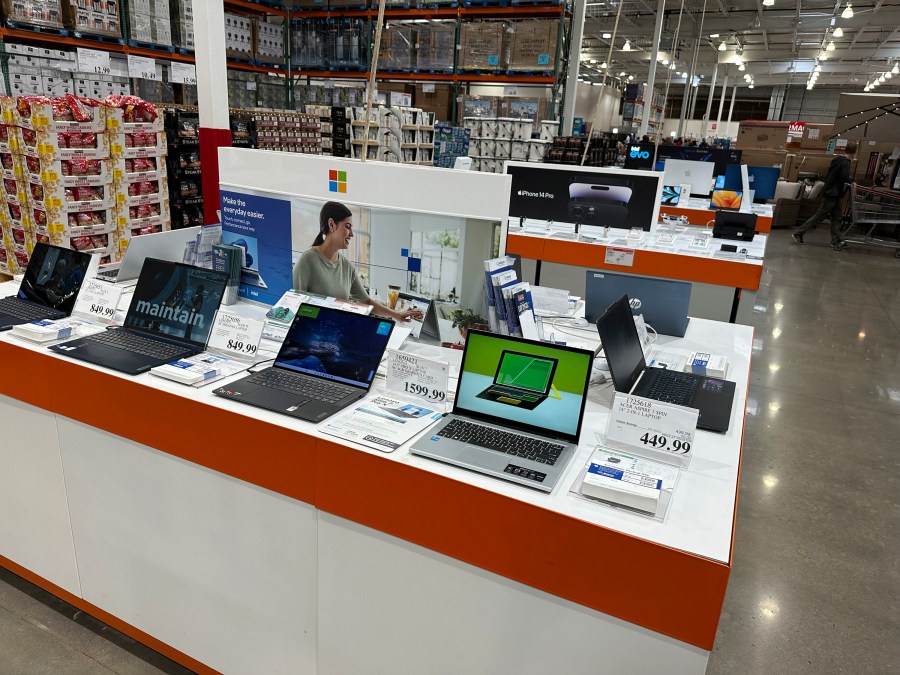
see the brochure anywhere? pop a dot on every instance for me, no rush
(202, 368)
(46, 330)
(384, 422)
(625, 480)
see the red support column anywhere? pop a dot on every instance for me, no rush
(210, 142)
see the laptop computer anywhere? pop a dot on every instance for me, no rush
(428, 324)
(168, 245)
(735, 225)
(671, 195)
(524, 444)
(169, 318)
(664, 303)
(726, 199)
(522, 380)
(699, 175)
(327, 361)
(712, 396)
(49, 288)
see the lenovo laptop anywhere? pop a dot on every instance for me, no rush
(735, 225)
(327, 361)
(522, 380)
(168, 245)
(712, 396)
(169, 318)
(524, 444)
(428, 324)
(49, 288)
(663, 303)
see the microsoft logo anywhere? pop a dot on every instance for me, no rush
(337, 181)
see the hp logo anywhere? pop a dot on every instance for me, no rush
(635, 303)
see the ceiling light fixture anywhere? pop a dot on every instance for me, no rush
(838, 32)
(848, 12)
(818, 68)
(882, 79)
(626, 47)
(751, 85)
(823, 56)
(830, 47)
(742, 67)
(713, 36)
(607, 36)
(684, 75)
(622, 74)
(768, 3)
(896, 69)
(722, 46)
(593, 61)
(665, 62)
(888, 75)
(630, 77)
(603, 65)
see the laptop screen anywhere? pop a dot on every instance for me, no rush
(621, 344)
(335, 345)
(53, 276)
(176, 300)
(561, 372)
(726, 199)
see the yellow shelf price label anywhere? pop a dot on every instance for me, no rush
(40, 120)
(117, 174)
(120, 198)
(53, 202)
(49, 176)
(112, 123)
(56, 228)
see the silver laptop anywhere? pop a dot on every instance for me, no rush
(427, 326)
(517, 413)
(168, 245)
(664, 303)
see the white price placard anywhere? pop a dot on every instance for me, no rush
(653, 429)
(428, 88)
(418, 378)
(142, 67)
(93, 61)
(185, 73)
(619, 256)
(98, 300)
(235, 335)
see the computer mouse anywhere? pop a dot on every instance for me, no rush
(580, 322)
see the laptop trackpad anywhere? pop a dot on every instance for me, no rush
(476, 456)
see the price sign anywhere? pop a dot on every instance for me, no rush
(235, 335)
(186, 73)
(98, 300)
(93, 61)
(418, 378)
(428, 88)
(619, 256)
(653, 429)
(142, 67)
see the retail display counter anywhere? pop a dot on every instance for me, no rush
(697, 212)
(239, 540)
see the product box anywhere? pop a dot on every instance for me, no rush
(52, 196)
(482, 45)
(435, 46)
(71, 172)
(760, 135)
(397, 48)
(710, 365)
(59, 224)
(533, 45)
(36, 12)
(55, 118)
(66, 144)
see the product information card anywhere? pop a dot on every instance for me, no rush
(98, 301)
(235, 335)
(384, 423)
(653, 429)
(418, 378)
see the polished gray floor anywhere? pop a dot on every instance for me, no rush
(815, 586)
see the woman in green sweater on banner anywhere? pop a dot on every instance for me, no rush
(322, 269)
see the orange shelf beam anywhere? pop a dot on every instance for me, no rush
(255, 8)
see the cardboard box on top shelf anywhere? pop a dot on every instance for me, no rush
(481, 45)
(764, 158)
(437, 101)
(762, 135)
(532, 45)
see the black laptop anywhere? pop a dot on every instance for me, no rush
(735, 225)
(327, 361)
(49, 288)
(712, 396)
(170, 317)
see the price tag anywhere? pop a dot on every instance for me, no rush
(653, 429)
(186, 73)
(619, 256)
(98, 300)
(418, 378)
(428, 88)
(235, 335)
(142, 67)
(93, 61)
(510, 91)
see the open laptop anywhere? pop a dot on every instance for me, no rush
(712, 396)
(49, 288)
(527, 445)
(522, 380)
(327, 361)
(671, 195)
(169, 318)
(726, 200)
(168, 245)
(735, 225)
(429, 323)
(663, 303)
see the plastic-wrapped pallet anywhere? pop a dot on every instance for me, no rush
(93, 18)
(482, 45)
(533, 45)
(436, 45)
(47, 13)
(307, 43)
(269, 45)
(397, 48)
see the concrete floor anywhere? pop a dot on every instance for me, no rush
(815, 586)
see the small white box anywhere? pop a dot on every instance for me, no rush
(703, 363)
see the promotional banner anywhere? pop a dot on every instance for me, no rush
(261, 226)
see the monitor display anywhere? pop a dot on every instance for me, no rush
(53, 276)
(762, 180)
(671, 195)
(176, 300)
(553, 378)
(699, 175)
(639, 155)
(338, 345)
(720, 157)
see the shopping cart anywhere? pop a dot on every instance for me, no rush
(870, 209)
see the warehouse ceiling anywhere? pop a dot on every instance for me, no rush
(781, 44)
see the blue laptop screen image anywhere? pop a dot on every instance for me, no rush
(550, 378)
(762, 180)
(176, 300)
(335, 344)
(54, 276)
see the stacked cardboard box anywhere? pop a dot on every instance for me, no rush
(334, 125)
(762, 135)
(449, 143)
(435, 47)
(533, 45)
(269, 41)
(481, 45)
(34, 12)
(181, 13)
(93, 17)
(238, 36)
(288, 132)
(396, 134)
(183, 166)
(150, 21)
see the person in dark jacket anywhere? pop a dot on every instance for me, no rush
(830, 207)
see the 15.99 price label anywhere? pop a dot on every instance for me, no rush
(417, 377)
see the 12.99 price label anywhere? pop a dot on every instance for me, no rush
(417, 377)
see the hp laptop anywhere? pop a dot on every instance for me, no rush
(735, 225)
(522, 380)
(168, 245)
(713, 397)
(49, 288)
(170, 316)
(663, 302)
(428, 324)
(327, 361)
(525, 444)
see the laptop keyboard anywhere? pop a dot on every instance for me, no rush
(308, 387)
(137, 344)
(108, 275)
(543, 452)
(673, 387)
(24, 310)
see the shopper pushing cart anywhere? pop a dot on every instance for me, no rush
(832, 193)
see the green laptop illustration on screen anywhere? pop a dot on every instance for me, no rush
(521, 380)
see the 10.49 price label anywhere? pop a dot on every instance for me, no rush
(418, 378)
